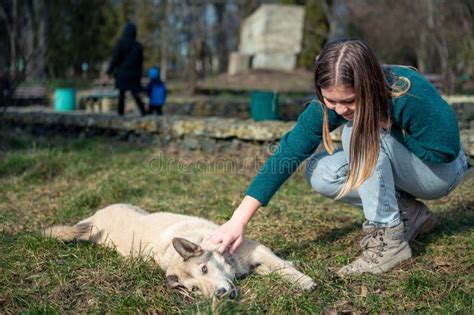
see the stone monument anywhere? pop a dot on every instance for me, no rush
(270, 38)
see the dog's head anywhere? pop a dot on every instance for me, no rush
(200, 272)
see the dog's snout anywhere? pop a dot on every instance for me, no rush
(220, 292)
(233, 294)
(231, 291)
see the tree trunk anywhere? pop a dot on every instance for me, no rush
(164, 40)
(34, 37)
(337, 17)
(192, 68)
(13, 37)
(222, 53)
(421, 55)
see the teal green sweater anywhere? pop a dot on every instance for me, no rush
(429, 127)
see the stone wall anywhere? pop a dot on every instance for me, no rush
(207, 133)
(289, 107)
(175, 126)
(235, 107)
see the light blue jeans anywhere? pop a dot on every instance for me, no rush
(397, 170)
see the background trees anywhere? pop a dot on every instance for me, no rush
(191, 39)
(80, 32)
(434, 36)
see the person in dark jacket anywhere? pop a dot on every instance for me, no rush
(126, 66)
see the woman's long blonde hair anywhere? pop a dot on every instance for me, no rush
(351, 63)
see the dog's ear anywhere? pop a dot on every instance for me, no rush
(172, 282)
(186, 249)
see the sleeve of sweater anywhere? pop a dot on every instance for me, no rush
(294, 147)
(428, 122)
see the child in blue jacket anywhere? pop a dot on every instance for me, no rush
(156, 91)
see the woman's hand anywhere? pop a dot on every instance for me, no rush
(232, 233)
(229, 236)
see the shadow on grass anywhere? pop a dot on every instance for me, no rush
(327, 237)
(338, 233)
(14, 140)
(457, 219)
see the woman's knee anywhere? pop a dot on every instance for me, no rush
(310, 168)
(326, 175)
(325, 186)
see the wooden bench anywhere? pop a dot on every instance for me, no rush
(27, 95)
(101, 99)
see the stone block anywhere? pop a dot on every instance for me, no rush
(190, 143)
(276, 61)
(208, 145)
(273, 28)
(238, 63)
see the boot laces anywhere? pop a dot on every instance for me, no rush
(372, 246)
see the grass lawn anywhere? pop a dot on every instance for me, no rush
(62, 180)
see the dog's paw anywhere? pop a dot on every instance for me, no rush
(310, 287)
(307, 283)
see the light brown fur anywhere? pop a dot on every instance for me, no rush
(172, 240)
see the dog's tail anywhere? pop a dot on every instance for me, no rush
(80, 231)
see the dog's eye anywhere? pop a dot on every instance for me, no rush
(195, 288)
(204, 269)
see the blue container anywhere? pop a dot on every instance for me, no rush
(64, 100)
(264, 105)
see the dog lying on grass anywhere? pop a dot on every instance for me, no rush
(172, 240)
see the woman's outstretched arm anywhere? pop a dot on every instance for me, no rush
(232, 233)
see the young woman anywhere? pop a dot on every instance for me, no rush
(400, 141)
